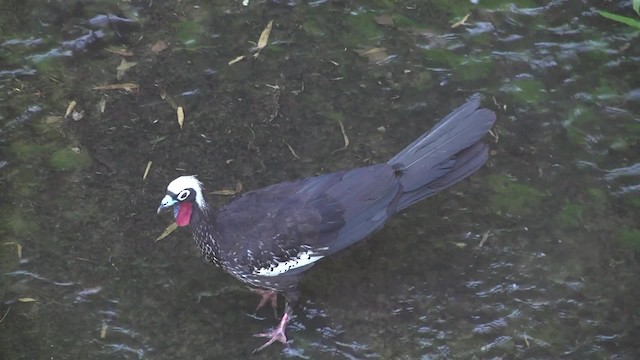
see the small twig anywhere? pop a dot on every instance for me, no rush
(344, 136)
(461, 22)
(146, 171)
(5, 314)
(495, 135)
(87, 260)
(485, 236)
(502, 107)
(291, 149)
(253, 133)
(276, 100)
(18, 247)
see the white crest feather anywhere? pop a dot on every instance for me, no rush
(188, 182)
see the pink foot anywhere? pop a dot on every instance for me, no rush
(267, 296)
(276, 334)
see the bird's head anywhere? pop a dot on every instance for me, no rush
(183, 194)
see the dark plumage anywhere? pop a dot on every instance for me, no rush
(268, 237)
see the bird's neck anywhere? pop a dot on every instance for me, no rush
(204, 233)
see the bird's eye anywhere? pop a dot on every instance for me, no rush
(183, 195)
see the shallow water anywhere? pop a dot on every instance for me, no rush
(536, 256)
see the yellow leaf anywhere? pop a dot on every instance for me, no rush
(103, 331)
(70, 107)
(239, 58)
(146, 171)
(26, 300)
(180, 113)
(167, 231)
(461, 22)
(264, 37)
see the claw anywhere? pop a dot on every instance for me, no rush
(276, 334)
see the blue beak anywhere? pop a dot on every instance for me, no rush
(167, 201)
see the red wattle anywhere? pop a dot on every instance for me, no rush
(184, 214)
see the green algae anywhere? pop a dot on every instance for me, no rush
(69, 159)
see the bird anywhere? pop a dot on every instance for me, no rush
(269, 237)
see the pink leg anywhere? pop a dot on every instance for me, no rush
(276, 334)
(267, 296)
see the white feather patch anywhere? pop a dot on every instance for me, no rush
(188, 182)
(303, 259)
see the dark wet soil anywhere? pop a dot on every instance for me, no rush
(555, 210)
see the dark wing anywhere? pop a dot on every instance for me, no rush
(285, 228)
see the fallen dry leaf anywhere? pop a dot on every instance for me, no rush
(171, 228)
(180, 113)
(375, 55)
(70, 107)
(239, 58)
(53, 120)
(159, 46)
(146, 171)
(119, 51)
(123, 67)
(102, 104)
(26, 300)
(264, 37)
(384, 20)
(485, 236)
(461, 22)
(129, 87)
